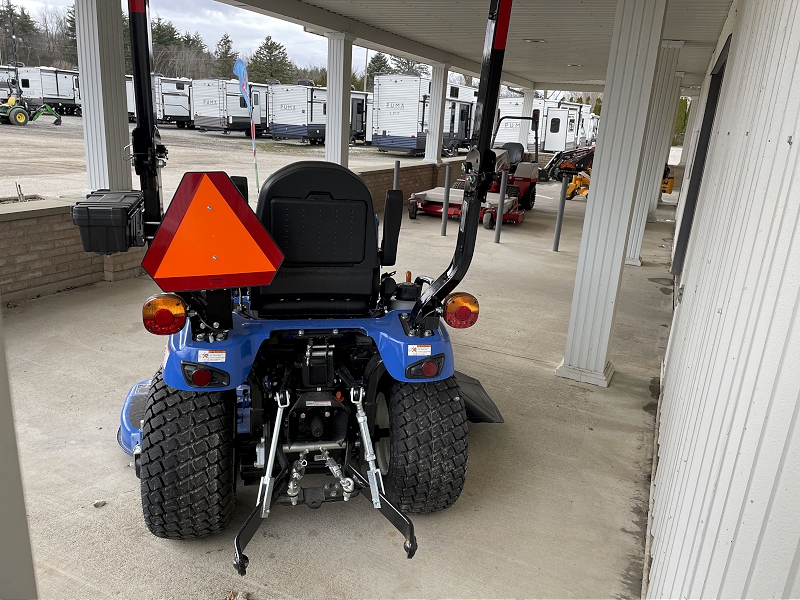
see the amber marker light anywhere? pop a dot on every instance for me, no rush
(164, 314)
(461, 310)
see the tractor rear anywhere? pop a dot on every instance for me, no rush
(291, 349)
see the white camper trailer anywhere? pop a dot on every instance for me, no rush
(508, 129)
(361, 117)
(130, 98)
(219, 106)
(173, 100)
(562, 122)
(46, 85)
(7, 77)
(299, 112)
(401, 110)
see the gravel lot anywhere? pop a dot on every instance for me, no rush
(50, 161)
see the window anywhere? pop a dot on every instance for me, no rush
(555, 125)
(255, 98)
(242, 103)
(572, 125)
(453, 91)
(179, 86)
(26, 83)
(324, 108)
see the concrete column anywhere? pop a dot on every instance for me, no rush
(435, 130)
(673, 98)
(101, 62)
(527, 111)
(17, 578)
(337, 119)
(693, 102)
(631, 70)
(651, 170)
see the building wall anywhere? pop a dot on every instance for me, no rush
(726, 495)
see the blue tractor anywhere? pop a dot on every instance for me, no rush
(323, 363)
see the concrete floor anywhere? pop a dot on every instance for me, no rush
(555, 501)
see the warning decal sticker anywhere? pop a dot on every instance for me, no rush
(419, 349)
(211, 356)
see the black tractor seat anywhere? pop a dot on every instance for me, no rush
(516, 152)
(321, 217)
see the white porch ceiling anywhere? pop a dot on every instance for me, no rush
(576, 32)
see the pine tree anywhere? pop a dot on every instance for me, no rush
(270, 61)
(165, 33)
(408, 65)
(681, 122)
(598, 106)
(378, 65)
(225, 57)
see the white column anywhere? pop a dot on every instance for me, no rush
(629, 81)
(527, 111)
(651, 170)
(337, 119)
(101, 62)
(693, 102)
(673, 98)
(435, 129)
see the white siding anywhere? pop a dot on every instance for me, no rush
(290, 104)
(398, 105)
(726, 517)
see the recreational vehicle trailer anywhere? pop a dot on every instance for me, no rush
(361, 117)
(130, 98)
(6, 78)
(173, 100)
(46, 85)
(299, 112)
(508, 130)
(219, 106)
(401, 110)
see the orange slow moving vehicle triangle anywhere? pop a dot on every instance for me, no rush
(210, 239)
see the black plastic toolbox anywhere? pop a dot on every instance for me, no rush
(110, 221)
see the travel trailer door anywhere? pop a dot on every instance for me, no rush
(556, 132)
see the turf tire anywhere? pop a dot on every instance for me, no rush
(429, 445)
(187, 461)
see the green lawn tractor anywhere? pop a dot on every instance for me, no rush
(18, 114)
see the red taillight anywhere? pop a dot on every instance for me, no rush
(164, 314)
(430, 369)
(201, 377)
(460, 310)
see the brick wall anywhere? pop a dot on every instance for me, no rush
(413, 178)
(41, 253)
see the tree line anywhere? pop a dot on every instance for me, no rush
(48, 38)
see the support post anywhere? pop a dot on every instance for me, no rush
(656, 146)
(673, 98)
(396, 180)
(446, 203)
(17, 578)
(337, 118)
(527, 111)
(632, 63)
(101, 61)
(435, 129)
(693, 105)
(501, 206)
(562, 202)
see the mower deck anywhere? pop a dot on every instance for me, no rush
(431, 202)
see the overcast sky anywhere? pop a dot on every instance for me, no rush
(246, 28)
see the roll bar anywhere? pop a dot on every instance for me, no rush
(478, 168)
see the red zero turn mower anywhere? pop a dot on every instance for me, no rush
(520, 191)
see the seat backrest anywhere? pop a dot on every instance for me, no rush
(321, 216)
(516, 152)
